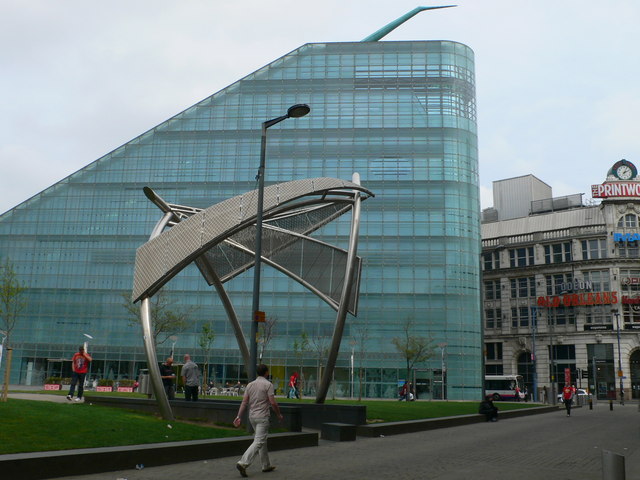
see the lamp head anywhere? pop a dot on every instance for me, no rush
(298, 110)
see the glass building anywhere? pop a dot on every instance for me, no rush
(402, 114)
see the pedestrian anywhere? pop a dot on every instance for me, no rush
(544, 394)
(168, 377)
(190, 378)
(404, 392)
(293, 386)
(488, 409)
(517, 393)
(567, 398)
(526, 394)
(79, 367)
(258, 398)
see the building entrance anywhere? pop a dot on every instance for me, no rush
(635, 374)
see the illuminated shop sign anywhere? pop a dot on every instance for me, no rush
(630, 300)
(626, 237)
(618, 189)
(578, 299)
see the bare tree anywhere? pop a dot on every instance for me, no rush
(11, 304)
(167, 318)
(266, 333)
(320, 346)
(414, 349)
(205, 340)
(300, 347)
(360, 335)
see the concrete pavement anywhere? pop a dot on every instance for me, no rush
(540, 447)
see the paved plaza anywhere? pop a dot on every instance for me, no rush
(540, 447)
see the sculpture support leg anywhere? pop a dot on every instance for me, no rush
(231, 313)
(154, 370)
(338, 330)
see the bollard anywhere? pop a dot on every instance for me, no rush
(591, 404)
(610, 404)
(612, 466)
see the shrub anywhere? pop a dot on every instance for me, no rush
(104, 382)
(53, 380)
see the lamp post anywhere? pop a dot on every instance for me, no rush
(86, 344)
(173, 339)
(295, 111)
(442, 346)
(534, 327)
(617, 315)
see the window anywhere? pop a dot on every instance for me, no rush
(629, 280)
(599, 280)
(493, 318)
(594, 249)
(491, 260)
(557, 284)
(628, 221)
(523, 287)
(521, 257)
(628, 249)
(494, 351)
(492, 290)
(562, 315)
(600, 314)
(557, 253)
(519, 317)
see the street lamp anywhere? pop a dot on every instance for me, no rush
(534, 359)
(173, 339)
(617, 315)
(442, 346)
(86, 344)
(295, 111)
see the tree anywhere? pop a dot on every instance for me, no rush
(360, 335)
(300, 347)
(266, 332)
(205, 340)
(320, 345)
(11, 304)
(414, 349)
(167, 319)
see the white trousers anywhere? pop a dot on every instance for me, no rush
(261, 428)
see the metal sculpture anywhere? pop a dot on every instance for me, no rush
(221, 241)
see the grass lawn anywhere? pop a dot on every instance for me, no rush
(33, 426)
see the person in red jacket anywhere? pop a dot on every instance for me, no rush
(80, 366)
(567, 398)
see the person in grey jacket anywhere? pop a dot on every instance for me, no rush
(190, 378)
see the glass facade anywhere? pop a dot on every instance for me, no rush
(402, 114)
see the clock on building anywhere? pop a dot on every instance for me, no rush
(624, 170)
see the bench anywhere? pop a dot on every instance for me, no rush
(338, 432)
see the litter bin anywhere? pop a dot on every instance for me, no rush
(145, 382)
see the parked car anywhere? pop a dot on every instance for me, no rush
(581, 393)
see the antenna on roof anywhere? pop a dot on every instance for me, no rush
(374, 37)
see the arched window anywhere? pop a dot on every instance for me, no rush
(630, 220)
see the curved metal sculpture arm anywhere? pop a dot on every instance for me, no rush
(338, 330)
(147, 337)
(374, 37)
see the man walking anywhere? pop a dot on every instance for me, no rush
(168, 376)
(259, 398)
(80, 366)
(190, 378)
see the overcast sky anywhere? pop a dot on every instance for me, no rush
(558, 87)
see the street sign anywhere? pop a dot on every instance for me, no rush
(259, 316)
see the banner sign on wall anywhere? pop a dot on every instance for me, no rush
(578, 299)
